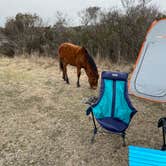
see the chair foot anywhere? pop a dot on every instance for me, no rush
(123, 136)
(94, 134)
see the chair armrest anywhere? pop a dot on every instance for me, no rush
(91, 100)
(88, 111)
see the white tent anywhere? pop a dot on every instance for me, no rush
(148, 79)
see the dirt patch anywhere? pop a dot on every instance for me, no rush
(43, 121)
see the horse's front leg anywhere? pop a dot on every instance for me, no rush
(78, 76)
(65, 74)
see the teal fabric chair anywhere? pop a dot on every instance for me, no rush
(113, 109)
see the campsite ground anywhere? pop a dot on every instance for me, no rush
(43, 121)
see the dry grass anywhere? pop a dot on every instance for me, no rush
(43, 122)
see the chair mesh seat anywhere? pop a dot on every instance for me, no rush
(112, 124)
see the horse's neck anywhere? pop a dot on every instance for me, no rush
(88, 70)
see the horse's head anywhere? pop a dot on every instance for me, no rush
(93, 80)
(91, 69)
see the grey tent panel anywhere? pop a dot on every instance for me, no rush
(149, 77)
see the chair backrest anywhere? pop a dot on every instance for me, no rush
(139, 156)
(113, 100)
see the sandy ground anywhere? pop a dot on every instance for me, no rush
(43, 121)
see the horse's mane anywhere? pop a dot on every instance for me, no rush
(90, 59)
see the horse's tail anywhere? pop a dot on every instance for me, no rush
(60, 60)
(60, 64)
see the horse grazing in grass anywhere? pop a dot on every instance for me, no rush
(77, 56)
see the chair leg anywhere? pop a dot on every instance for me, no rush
(123, 137)
(164, 142)
(95, 128)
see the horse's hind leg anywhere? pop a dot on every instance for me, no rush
(78, 75)
(65, 76)
(61, 66)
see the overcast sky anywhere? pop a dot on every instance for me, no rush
(47, 8)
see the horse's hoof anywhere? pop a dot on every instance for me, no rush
(78, 86)
(67, 81)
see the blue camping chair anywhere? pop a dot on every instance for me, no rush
(113, 109)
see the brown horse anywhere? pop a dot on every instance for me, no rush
(79, 57)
